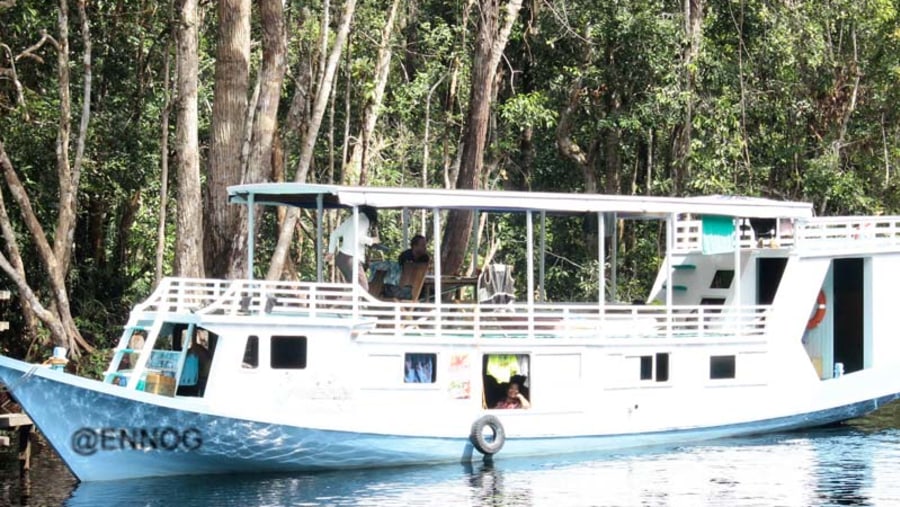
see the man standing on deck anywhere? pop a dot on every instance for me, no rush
(352, 241)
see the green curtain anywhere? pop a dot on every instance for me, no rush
(718, 234)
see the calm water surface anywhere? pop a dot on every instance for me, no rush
(852, 464)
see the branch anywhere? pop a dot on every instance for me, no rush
(29, 52)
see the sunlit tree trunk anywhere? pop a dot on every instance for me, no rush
(189, 231)
(259, 167)
(493, 33)
(229, 114)
(355, 171)
(308, 139)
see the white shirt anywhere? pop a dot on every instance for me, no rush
(346, 234)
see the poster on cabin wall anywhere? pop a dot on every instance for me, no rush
(459, 377)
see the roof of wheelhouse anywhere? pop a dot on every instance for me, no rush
(336, 196)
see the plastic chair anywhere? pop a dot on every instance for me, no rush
(496, 285)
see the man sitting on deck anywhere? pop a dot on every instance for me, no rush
(417, 251)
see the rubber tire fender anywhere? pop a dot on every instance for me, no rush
(480, 440)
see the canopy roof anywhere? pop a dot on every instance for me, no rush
(336, 196)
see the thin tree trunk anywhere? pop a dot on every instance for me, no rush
(164, 167)
(189, 232)
(259, 166)
(357, 164)
(309, 139)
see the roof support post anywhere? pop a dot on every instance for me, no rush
(529, 232)
(437, 270)
(542, 294)
(251, 233)
(670, 247)
(601, 257)
(319, 212)
(356, 263)
(736, 234)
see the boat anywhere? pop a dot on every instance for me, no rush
(761, 318)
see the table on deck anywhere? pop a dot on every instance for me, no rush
(450, 284)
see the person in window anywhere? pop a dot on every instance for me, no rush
(351, 241)
(416, 252)
(514, 398)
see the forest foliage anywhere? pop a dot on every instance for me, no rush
(790, 99)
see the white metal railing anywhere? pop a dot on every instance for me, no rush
(183, 294)
(820, 233)
(849, 232)
(305, 300)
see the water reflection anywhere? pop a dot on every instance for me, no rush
(846, 465)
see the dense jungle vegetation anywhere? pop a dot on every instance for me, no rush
(122, 122)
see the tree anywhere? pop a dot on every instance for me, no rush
(56, 259)
(189, 233)
(264, 120)
(310, 134)
(228, 117)
(493, 34)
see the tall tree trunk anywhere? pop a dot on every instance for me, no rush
(489, 46)
(259, 167)
(229, 113)
(693, 29)
(189, 231)
(279, 257)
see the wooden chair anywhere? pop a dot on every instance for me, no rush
(413, 275)
(376, 286)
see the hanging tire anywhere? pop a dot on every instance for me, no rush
(487, 435)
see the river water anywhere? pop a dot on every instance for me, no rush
(857, 463)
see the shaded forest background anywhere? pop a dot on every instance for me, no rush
(122, 122)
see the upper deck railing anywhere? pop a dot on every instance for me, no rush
(282, 302)
(815, 234)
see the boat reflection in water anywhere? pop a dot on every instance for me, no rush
(844, 465)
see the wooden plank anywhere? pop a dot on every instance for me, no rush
(14, 420)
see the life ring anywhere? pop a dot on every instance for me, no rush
(819, 315)
(492, 442)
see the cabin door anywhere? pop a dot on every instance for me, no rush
(849, 302)
(768, 276)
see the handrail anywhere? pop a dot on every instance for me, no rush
(817, 233)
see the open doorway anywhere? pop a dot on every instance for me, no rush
(849, 301)
(768, 275)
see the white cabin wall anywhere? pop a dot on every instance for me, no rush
(800, 284)
(329, 359)
(882, 333)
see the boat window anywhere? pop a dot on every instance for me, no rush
(721, 367)
(499, 371)
(722, 279)
(712, 301)
(251, 353)
(646, 367)
(420, 368)
(662, 367)
(288, 352)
